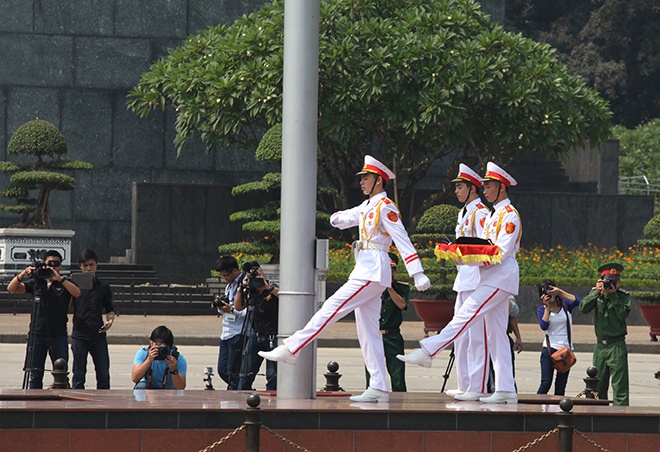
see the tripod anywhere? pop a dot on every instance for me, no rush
(450, 365)
(28, 366)
(242, 355)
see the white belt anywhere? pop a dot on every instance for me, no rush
(367, 245)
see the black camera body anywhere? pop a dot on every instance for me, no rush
(42, 271)
(545, 289)
(219, 301)
(164, 351)
(255, 281)
(608, 285)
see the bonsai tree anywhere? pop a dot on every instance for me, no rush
(652, 230)
(46, 144)
(435, 224)
(266, 219)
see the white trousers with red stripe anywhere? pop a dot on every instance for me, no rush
(360, 296)
(491, 305)
(471, 352)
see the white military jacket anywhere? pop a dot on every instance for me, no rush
(504, 228)
(470, 223)
(380, 224)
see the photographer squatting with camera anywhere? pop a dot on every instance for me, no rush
(160, 365)
(258, 295)
(55, 292)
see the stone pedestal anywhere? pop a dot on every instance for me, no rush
(21, 247)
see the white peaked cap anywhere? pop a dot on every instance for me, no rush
(371, 165)
(466, 174)
(494, 172)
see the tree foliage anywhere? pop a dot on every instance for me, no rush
(410, 81)
(43, 142)
(613, 44)
(639, 149)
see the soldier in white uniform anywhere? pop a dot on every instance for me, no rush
(380, 224)
(470, 349)
(489, 301)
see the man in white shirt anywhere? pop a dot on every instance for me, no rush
(489, 301)
(380, 224)
(470, 349)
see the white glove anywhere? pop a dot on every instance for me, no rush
(422, 282)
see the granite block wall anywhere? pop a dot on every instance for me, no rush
(73, 63)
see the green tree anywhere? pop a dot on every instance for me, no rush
(613, 44)
(46, 144)
(639, 149)
(411, 81)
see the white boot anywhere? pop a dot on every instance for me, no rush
(372, 395)
(501, 397)
(454, 392)
(280, 353)
(470, 396)
(418, 356)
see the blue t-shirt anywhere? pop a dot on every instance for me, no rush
(158, 369)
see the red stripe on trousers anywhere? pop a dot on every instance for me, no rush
(330, 318)
(474, 316)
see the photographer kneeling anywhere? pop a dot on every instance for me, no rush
(262, 298)
(160, 365)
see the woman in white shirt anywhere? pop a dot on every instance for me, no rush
(556, 320)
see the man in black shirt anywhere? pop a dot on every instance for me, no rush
(51, 323)
(257, 293)
(89, 329)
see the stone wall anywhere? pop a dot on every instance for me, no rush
(72, 63)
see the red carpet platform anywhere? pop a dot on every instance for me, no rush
(69, 420)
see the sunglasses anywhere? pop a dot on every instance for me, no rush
(54, 263)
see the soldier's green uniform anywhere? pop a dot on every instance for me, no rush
(610, 352)
(391, 318)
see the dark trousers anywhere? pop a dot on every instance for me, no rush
(612, 362)
(80, 348)
(393, 345)
(260, 343)
(56, 347)
(546, 375)
(226, 361)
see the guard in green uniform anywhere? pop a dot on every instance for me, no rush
(395, 300)
(612, 307)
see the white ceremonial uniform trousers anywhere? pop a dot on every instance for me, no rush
(491, 305)
(471, 353)
(360, 296)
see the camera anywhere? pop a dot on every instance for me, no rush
(42, 271)
(163, 351)
(608, 285)
(545, 289)
(255, 281)
(219, 301)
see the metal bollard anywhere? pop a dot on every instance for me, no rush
(565, 425)
(60, 374)
(332, 377)
(591, 383)
(252, 423)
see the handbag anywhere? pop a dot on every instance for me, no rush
(564, 358)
